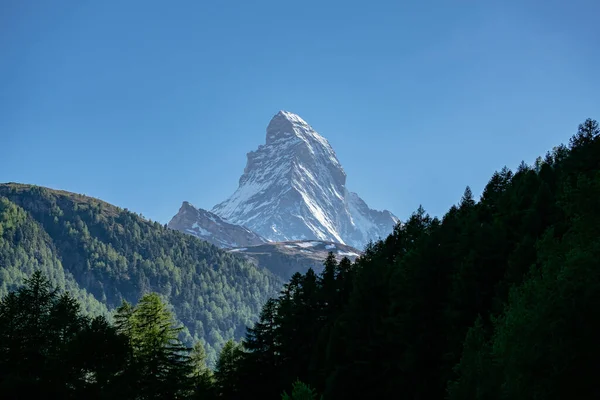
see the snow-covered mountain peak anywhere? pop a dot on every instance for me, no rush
(287, 126)
(187, 205)
(294, 188)
(290, 116)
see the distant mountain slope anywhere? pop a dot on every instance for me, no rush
(212, 228)
(294, 187)
(26, 247)
(114, 254)
(286, 258)
(281, 258)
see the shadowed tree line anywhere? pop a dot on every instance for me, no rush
(50, 349)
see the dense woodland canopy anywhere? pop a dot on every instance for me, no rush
(496, 300)
(104, 255)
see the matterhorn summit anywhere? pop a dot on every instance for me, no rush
(294, 188)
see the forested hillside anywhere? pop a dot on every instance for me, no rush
(25, 247)
(104, 255)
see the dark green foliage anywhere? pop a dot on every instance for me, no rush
(26, 247)
(227, 371)
(300, 391)
(161, 366)
(48, 349)
(202, 379)
(498, 300)
(105, 255)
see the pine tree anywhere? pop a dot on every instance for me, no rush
(300, 391)
(226, 371)
(467, 198)
(202, 376)
(161, 362)
(26, 338)
(586, 133)
(327, 278)
(262, 341)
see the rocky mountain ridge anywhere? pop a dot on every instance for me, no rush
(212, 228)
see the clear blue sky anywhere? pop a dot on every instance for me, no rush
(145, 104)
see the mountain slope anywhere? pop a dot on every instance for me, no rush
(212, 228)
(116, 255)
(26, 247)
(294, 188)
(286, 258)
(281, 258)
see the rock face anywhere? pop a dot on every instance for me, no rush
(286, 258)
(294, 188)
(212, 228)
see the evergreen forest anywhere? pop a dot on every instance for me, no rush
(104, 255)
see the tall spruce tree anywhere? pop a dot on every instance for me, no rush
(227, 380)
(202, 376)
(161, 362)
